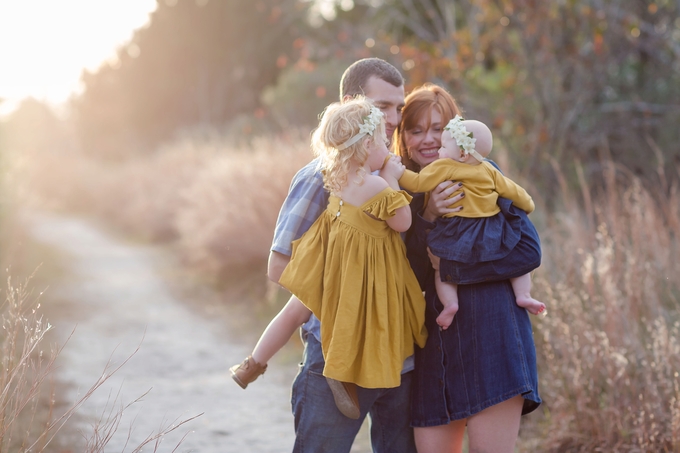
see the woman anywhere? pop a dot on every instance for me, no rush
(481, 371)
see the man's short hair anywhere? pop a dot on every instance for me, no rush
(356, 76)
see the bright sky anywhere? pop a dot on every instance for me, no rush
(45, 44)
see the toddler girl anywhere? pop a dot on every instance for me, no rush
(350, 267)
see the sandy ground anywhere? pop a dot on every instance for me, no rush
(119, 296)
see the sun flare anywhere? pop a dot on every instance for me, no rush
(45, 45)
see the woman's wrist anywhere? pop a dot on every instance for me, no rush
(429, 215)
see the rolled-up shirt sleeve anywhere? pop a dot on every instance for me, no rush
(305, 202)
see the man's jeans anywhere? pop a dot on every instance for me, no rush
(321, 428)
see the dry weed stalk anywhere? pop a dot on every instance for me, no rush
(24, 367)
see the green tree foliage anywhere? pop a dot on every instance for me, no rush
(198, 62)
(562, 82)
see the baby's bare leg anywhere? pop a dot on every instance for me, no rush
(448, 295)
(522, 288)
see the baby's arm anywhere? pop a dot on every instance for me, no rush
(280, 329)
(509, 189)
(392, 169)
(428, 178)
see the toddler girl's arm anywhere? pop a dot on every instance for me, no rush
(391, 171)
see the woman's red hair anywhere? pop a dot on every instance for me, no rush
(419, 103)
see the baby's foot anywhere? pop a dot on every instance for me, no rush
(532, 305)
(445, 318)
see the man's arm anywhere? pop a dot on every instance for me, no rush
(305, 201)
(277, 263)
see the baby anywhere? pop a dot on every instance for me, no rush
(478, 232)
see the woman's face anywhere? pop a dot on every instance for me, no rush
(423, 141)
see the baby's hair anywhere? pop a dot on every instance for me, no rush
(482, 135)
(339, 123)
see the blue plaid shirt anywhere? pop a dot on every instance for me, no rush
(305, 202)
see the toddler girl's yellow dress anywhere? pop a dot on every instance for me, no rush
(351, 271)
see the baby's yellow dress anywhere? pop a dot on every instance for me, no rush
(351, 271)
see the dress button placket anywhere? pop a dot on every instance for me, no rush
(337, 214)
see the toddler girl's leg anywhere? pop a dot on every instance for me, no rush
(448, 295)
(275, 336)
(280, 329)
(522, 288)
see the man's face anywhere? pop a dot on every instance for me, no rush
(389, 99)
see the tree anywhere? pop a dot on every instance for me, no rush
(562, 82)
(198, 62)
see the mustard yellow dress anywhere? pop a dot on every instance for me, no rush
(350, 269)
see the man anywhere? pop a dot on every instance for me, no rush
(319, 426)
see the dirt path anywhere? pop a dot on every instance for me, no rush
(117, 297)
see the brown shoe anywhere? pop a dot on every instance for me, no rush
(247, 372)
(345, 396)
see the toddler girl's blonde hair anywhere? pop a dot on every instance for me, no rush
(339, 123)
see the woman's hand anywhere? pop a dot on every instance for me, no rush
(434, 259)
(439, 201)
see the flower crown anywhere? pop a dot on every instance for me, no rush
(465, 139)
(371, 122)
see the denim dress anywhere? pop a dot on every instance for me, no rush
(487, 355)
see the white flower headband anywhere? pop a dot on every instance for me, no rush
(465, 139)
(367, 127)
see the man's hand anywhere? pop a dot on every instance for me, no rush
(439, 201)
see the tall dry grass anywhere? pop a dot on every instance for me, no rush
(214, 201)
(30, 417)
(610, 348)
(25, 367)
(609, 352)
(33, 414)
